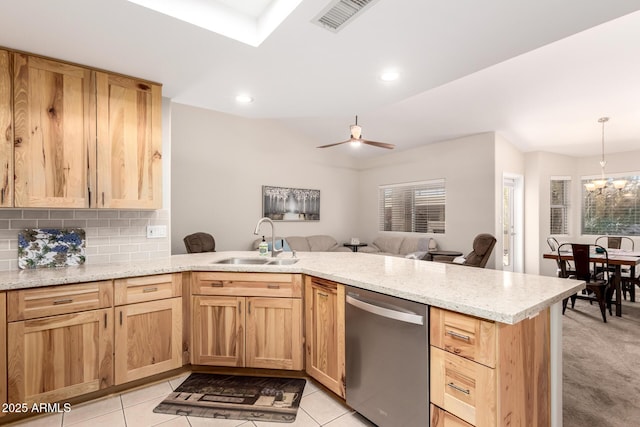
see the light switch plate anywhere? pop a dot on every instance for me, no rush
(156, 231)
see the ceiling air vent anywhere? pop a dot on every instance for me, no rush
(339, 12)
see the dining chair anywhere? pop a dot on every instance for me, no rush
(554, 245)
(199, 242)
(628, 277)
(597, 278)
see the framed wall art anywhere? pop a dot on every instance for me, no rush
(290, 204)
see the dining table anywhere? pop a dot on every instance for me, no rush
(618, 258)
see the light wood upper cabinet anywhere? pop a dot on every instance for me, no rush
(129, 115)
(325, 333)
(6, 132)
(54, 137)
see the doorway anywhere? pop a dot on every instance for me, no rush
(512, 223)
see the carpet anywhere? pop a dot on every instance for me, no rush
(601, 366)
(236, 398)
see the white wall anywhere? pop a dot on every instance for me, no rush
(220, 163)
(467, 165)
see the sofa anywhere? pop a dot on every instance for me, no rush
(316, 243)
(400, 246)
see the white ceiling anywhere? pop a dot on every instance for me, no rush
(538, 72)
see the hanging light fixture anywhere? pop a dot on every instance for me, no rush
(599, 184)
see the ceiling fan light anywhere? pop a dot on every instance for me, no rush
(355, 142)
(590, 186)
(356, 131)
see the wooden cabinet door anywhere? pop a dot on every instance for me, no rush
(6, 132)
(324, 302)
(274, 333)
(54, 116)
(129, 143)
(217, 331)
(148, 339)
(55, 358)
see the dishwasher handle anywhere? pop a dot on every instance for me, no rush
(401, 316)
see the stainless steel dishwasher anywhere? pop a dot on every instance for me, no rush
(387, 358)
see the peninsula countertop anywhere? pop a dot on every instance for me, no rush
(490, 294)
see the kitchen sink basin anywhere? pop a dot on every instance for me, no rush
(287, 261)
(242, 261)
(256, 261)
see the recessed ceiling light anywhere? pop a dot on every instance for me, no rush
(389, 76)
(244, 99)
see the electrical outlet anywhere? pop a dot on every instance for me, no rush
(156, 231)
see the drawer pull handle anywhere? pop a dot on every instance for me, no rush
(322, 294)
(273, 286)
(459, 336)
(154, 289)
(217, 284)
(63, 301)
(460, 389)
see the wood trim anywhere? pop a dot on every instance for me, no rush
(186, 318)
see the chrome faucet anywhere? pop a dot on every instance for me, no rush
(274, 251)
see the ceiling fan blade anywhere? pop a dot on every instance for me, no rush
(331, 145)
(378, 144)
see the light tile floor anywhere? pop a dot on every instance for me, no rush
(135, 409)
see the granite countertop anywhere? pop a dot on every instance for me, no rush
(491, 294)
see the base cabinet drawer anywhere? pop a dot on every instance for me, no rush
(441, 418)
(464, 388)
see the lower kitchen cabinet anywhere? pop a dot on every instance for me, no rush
(59, 341)
(325, 333)
(489, 374)
(237, 322)
(54, 358)
(441, 418)
(148, 326)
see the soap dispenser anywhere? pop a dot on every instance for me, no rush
(263, 247)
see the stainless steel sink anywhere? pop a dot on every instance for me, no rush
(256, 261)
(249, 261)
(284, 261)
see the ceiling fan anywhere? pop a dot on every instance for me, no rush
(356, 139)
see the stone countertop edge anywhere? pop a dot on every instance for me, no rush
(489, 294)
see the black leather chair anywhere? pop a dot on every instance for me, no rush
(199, 242)
(482, 247)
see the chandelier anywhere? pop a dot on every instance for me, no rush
(599, 184)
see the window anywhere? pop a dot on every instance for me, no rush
(413, 207)
(610, 210)
(559, 220)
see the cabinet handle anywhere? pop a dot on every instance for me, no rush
(105, 320)
(322, 294)
(63, 301)
(89, 191)
(2, 199)
(273, 286)
(239, 308)
(120, 317)
(217, 284)
(103, 198)
(249, 308)
(459, 336)
(146, 290)
(460, 389)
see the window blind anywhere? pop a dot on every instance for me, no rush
(413, 207)
(559, 204)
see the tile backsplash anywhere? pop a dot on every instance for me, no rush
(112, 235)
